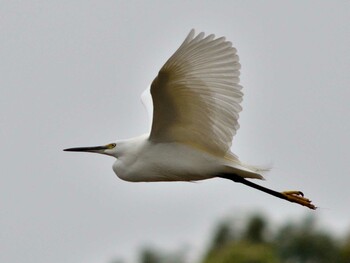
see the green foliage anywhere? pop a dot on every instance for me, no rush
(302, 242)
(251, 247)
(151, 255)
(243, 252)
(223, 236)
(292, 243)
(255, 230)
(344, 255)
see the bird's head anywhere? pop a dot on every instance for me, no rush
(108, 149)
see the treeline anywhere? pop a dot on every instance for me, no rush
(259, 241)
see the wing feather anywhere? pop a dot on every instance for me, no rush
(196, 95)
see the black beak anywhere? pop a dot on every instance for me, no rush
(86, 149)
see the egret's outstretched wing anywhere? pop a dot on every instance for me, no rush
(196, 95)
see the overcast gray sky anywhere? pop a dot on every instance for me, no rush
(71, 75)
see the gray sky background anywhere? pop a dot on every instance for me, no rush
(71, 75)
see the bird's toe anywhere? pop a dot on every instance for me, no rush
(298, 197)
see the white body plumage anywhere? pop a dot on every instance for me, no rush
(141, 160)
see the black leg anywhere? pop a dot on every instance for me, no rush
(292, 196)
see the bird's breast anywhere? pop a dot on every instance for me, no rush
(166, 162)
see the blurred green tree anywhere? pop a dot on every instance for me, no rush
(149, 255)
(243, 252)
(152, 255)
(303, 243)
(345, 251)
(256, 229)
(251, 247)
(224, 234)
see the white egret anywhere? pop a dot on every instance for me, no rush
(196, 103)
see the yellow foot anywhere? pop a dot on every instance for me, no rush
(298, 197)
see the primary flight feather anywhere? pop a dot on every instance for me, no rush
(196, 103)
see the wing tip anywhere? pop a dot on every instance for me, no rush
(202, 35)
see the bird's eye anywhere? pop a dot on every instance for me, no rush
(111, 145)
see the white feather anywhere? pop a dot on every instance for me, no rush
(196, 95)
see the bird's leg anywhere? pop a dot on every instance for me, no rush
(291, 196)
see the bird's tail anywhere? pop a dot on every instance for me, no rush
(246, 170)
(257, 169)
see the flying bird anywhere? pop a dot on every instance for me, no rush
(196, 103)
